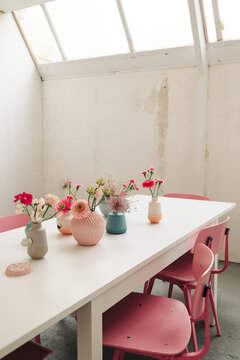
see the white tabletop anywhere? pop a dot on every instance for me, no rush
(71, 275)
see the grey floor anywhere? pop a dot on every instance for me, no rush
(61, 338)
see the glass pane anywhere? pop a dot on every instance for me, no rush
(38, 34)
(88, 28)
(208, 10)
(229, 14)
(158, 24)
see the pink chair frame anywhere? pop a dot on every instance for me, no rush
(118, 324)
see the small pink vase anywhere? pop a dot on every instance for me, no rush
(88, 231)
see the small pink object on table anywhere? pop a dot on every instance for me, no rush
(19, 269)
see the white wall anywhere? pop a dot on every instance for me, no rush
(223, 150)
(120, 124)
(20, 118)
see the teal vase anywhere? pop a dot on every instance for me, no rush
(104, 208)
(116, 223)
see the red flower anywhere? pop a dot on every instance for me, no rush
(123, 193)
(131, 181)
(151, 169)
(136, 188)
(148, 183)
(144, 172)
(125, 185)
(24, 198)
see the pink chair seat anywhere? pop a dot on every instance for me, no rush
(126, 324)
(29, 351)
(172, 271)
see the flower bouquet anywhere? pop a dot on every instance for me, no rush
(65, 216)
(37, 211)
(119, 205)
(87, 225)
(154, 209)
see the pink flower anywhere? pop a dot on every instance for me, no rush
(98, 194)
(144, 172)
(159, 181)
(51, 199)
(148, 183)
(41, 204)
(69, 182)
(151, 169)
(131, 181)
(80, 209)
(118, 204)
(136, 188)
(125, 185)
(63, 206)
(78, 185)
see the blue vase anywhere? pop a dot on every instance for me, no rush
(27, 227)
(104, 208)
(116, 223)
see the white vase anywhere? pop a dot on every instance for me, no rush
(154, 211)
(37, 243)
(64, 223)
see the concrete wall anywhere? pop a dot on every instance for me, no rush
(120, 124)
(20, 118)
(223, 149)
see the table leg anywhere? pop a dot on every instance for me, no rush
(214, 288)
(89, 332)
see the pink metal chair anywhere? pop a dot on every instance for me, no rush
(13, 222)
(180, 272)
(187, 196)
(160, 327)
(29, 351)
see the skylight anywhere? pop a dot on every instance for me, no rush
(158, 24)
(81, 29)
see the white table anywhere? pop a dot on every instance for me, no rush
(92, 279)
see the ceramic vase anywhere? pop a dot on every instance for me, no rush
(116, 223)
(37, 241)
(90, 230)
(104, 208)
(154, 211)
(64, 223)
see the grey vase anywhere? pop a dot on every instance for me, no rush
(38, 247)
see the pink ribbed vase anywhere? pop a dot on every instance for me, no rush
(90, 230)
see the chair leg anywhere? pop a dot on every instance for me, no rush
(37, 339)
(194, 338)
(118, 355)
(187, 298)
(150, 286)
(215, 313)
(170, 289)
(145, 287)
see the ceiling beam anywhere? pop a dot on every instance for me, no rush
(202, 95)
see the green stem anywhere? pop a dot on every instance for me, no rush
(48, 206)
(50, 217)
(70, 192)
(151, 192)
(27, 211)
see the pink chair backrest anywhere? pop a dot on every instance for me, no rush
(202, 265)
(216, 232)
(187, 196)
(13, 222)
